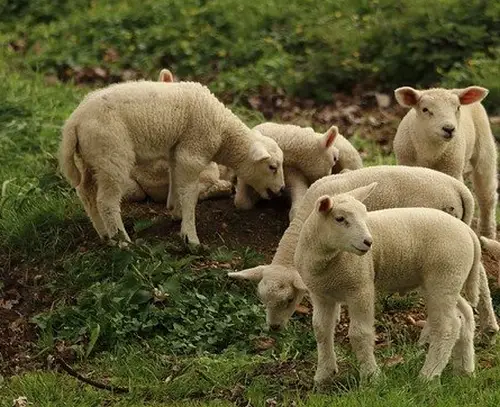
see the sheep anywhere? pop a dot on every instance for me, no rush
(493, 248)
(138, 123)
(279, 284)
(152, 179)
(448, 130)
(346, 254)
(308, 156)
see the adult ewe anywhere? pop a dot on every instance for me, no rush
(346, 254)
(448, 130)
(139, 123)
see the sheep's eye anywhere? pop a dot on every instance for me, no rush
(273, 168)
(425, 110)
(340, 219)
(289, 301)
(458, 108)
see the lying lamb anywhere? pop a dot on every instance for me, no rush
(308, 156)
(449, 131)
(117, 127)
(152, 179)
(280, 286)
(411, 248)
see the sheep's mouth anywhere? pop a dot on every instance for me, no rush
(271, 194)
(447, 136)
(360, 251)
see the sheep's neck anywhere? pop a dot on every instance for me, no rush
(235, 146)
(286, 248)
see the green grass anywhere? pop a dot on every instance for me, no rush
(166, 324)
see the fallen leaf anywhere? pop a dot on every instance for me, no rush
(394, 360)
(302, 309)
(264, 343)
(20, 402)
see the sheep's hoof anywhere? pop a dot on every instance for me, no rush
(371, 377)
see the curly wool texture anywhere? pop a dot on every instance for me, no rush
(140, 123)
(412, 248)
(448, 130)
(305, 160)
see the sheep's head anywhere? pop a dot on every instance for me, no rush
(265, 170)
(280, 289)
(338, 223)
(438, 110)
(319, 160)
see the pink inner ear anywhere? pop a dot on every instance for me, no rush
(331, 138)
(410, 98)
(325, 205)
(471, 96)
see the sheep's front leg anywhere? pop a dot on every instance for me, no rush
(185, 176)
(361, 308)
(487, 319)
(297, 185)
(324, 315)
(485, 188)
(245, 197)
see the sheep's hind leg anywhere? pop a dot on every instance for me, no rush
(109, 194)
(488, 324)
(443, 331)
(463, 351)
(324, 320)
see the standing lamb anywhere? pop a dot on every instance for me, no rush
(308, 156)
(448, 130)
(132, 123)
(152, 179)
(280, 286)
(346, 254)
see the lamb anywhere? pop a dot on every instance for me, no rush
(448, 130)
(346, 254)
(493, 248)
(280, 286)
(139, 123)
(308, 156)
(152, 179)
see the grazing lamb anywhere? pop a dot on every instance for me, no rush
(448, 130)
(280, 286)
(152, 179)
(308, 156)
(346, 254)
(139, 123)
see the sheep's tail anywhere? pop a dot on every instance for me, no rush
(467, 204)
(471, 286)
(67, 151)
(493, 248)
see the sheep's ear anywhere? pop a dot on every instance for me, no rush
(258, 152)
(324, 204)
(253, 274)
(406, 96)
(298, 284)
(166, 76)
(472, 94)
(329, 137)
(363, 192)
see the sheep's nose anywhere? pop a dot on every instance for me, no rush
(275, 327)
(368, 242)
(449, 129)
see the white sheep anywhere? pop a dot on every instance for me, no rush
(280, 286)
(308, 156)
(346, 254)
(448, 130)
(139, 123)
(152, 179)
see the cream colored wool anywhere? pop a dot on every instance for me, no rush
(448, 130)
(399, 186)
(308, 156)
(152, 179)
(346, 254)
(137, 123)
